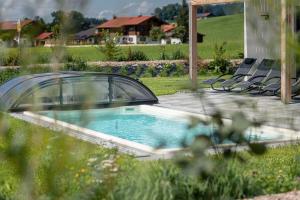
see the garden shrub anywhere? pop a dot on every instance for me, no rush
(110, 49)
(180, 71)
(75, 64)
(178, 55)
(141, 71)
(220, 63)
(10, 58)
(163, 55)
(8, 74)
(136, 55)
(168, 70)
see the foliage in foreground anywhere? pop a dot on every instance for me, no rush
(37, 163)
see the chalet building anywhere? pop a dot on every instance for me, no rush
(87, 37)
(45, 39)
(169, 30)
(9, 33)
(132, 30)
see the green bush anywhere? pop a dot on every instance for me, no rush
(8, 74)
(136, 55)
(110, 49)
(220, 63)
(10, 58)
(76, 64)
(163, 55)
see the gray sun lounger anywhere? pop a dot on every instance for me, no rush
(270, 82)
(274, 87)
(295, 88)
(264, 70)
(242, 71)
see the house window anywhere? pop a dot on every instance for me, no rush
(130, 39)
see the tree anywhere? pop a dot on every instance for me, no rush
(68, 22)
(110, 49)
(32, 30)
(168, 12)
(156, 33)
(183, 19)
(180, 32)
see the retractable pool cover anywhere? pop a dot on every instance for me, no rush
(72, 90)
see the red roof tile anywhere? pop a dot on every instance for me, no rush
(44, 36)
(168, 27)
(12, 25)
(125, 21)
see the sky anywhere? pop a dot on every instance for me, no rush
(15, 9)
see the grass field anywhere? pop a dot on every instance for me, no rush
(227, 29)
(171, 85)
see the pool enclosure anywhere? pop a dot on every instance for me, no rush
(72, 90)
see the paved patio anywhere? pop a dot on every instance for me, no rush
(263, 108)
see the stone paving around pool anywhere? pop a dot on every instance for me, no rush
(262, 108)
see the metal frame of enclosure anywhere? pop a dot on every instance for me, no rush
(73, 90)
(286, 71)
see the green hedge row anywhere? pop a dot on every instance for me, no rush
(135, 71)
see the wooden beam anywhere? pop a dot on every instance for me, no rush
(193, 45)
(286, 87)
(203, 2)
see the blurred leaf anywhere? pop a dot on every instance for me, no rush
(239, 122)
(218, 118)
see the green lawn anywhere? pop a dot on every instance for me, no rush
(171, 85)
(227, 29)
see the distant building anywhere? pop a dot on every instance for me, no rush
(132, 30)
(9, 34)
(45, 39)
(87, 37)
(12, 25)
(169, 30)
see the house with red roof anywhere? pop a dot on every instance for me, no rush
(132, 30)
(12, 25)
(9, 31)
(45, 39)
(169, 30)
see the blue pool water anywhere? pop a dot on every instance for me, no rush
(135, 125)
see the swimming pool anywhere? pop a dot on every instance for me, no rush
(150, 126)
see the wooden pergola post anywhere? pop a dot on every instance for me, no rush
(286, 85)
(193, 51)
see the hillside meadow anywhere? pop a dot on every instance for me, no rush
(217, 30)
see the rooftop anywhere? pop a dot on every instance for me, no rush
(168, 27)
(44, 35)
(12, 25)
(125, 21)
(86, 33)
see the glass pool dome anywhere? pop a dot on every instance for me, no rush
(72, 90)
